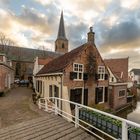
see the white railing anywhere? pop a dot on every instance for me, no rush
(74, 116)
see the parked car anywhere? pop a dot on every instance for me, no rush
(24, 83)
(17, 81)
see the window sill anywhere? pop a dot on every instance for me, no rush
(78, 80)
(120, 97)
(101, 102)
(101, 79)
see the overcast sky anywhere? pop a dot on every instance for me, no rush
(116, 23)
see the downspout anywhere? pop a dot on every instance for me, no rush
(61, 76)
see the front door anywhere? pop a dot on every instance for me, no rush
(76, 96)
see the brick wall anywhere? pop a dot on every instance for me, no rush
(91, 84)
(117, 102)
(4, 73)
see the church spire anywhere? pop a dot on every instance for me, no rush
(61, 30)
(61, 43)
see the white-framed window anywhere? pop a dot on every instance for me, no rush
(101, 94)
(78, 69)
(101, 72)
(121, 93)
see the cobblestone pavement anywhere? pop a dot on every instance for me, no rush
(16, 106)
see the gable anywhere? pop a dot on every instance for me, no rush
(119, 67)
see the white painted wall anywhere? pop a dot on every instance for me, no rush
(55, 81)
(112, 78)
(134, 77)
(36, 69)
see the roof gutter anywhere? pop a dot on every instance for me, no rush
(50, 74)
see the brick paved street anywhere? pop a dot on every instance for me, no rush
(16, 106)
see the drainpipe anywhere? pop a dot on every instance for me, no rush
(61, 76)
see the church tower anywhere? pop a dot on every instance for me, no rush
(61, 43)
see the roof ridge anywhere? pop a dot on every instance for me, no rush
(59, 63)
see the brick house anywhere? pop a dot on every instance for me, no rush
(79, 75)
(118, 78)
(6, 74)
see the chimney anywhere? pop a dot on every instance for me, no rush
(91, 36)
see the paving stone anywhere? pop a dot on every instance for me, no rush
(22, 120)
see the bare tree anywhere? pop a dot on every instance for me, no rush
(4, 43)
(43, 49)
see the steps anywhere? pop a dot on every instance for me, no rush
(50, 127)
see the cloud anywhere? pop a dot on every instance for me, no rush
(116, 24)
(76, 34)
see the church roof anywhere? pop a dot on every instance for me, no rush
(61, 30)
(26, 54)
(58, 64)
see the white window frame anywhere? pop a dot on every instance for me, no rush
(124, 94)
(101, 74)
(102, 93)
(78, 72)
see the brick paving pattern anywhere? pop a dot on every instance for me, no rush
(30, 123)
(16, 106)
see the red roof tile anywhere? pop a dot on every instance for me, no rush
(118, 67)
(59, 63)
(44, 61)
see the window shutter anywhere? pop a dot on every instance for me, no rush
(106, 76)
(96, 76)
(96, 95)
(86, 96)
(72, 75)
(106, 94)
(85, 76)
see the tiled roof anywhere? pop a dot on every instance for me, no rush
(59, 63)
(44, 61)
(136, 71)
(118, 67)
(26, 54)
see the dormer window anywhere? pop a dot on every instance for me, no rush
(78, 69)
(101, 72)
